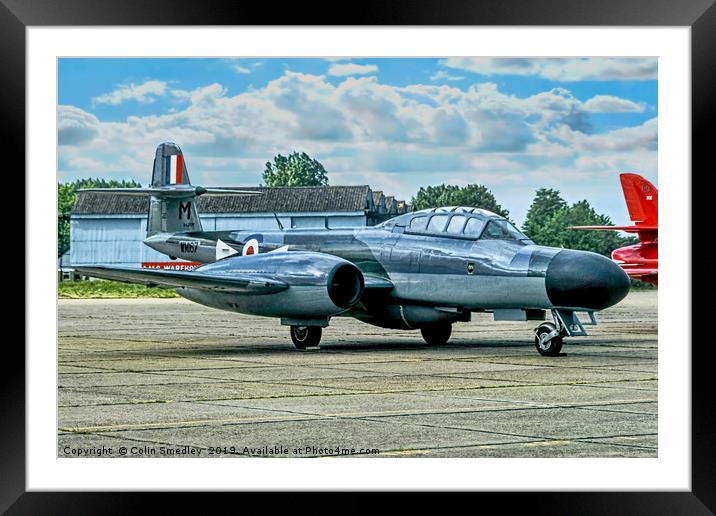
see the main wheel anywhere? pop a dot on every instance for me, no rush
(437, 334)
(546, 345)
(306, 336)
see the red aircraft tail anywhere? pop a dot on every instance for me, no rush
(639, 261)
(642, 200)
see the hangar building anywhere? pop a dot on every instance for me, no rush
(109, 229)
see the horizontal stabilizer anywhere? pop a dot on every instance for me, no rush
(238, 283)
(627, 229)
(181, 191)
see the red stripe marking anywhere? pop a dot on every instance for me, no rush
(180, 165)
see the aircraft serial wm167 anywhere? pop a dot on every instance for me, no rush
(422, 270)
(640, 261)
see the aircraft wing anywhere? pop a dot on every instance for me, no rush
(238, 283)
(375, 282)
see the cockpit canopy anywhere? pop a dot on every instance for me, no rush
(457, 222)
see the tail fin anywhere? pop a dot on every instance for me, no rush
(642, 199)
(172, 204)
(174, 212)
(169, 166)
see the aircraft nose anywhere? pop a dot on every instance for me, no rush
(580, 279)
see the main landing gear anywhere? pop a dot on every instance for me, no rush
(306, 336)
(437, 334)
(548, 339)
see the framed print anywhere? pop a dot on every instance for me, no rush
(459, 115)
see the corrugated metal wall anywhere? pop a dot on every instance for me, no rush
(117, 240)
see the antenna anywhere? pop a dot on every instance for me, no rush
(280, 226)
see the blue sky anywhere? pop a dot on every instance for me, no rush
(513, 124)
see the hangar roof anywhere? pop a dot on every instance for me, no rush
(279, 199)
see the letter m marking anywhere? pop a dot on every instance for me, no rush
(185, 208)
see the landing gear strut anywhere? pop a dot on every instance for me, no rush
(306, 336)
(548, 339)
(437, 334)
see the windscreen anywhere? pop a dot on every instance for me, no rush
(502, 230)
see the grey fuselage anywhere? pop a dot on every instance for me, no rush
(436, 274)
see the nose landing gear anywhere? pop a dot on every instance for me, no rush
(549, 335)
(548, 339)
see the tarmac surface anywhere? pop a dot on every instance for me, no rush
(167, 377)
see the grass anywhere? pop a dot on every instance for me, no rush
(101, 289)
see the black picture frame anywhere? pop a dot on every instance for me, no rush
(699, 15)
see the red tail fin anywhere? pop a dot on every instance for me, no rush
(642, 199)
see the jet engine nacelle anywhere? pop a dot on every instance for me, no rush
(318, 285)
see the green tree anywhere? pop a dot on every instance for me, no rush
(546, 203)
(554, 231)
(66, 196)
(474, 195)
(295, 170)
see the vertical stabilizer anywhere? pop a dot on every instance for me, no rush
(169, 166)
(171, 213)
(642, 199)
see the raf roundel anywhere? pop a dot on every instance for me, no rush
(250, 247)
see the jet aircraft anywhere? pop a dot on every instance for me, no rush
(640, 261)
(423, 270)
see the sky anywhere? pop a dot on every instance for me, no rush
(396, 124)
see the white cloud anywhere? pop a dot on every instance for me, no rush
(301, 107)
(145, 93)
(640, 137)
(298, 107)
(342, 70)
(75, 126)
(610, 104)
(442, 75)
(638, 160)
(562, 69)
(392, 137)
(644, 136)
(236, 64)
(207, 94)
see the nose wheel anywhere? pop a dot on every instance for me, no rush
(548, 339)
(306, 336)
